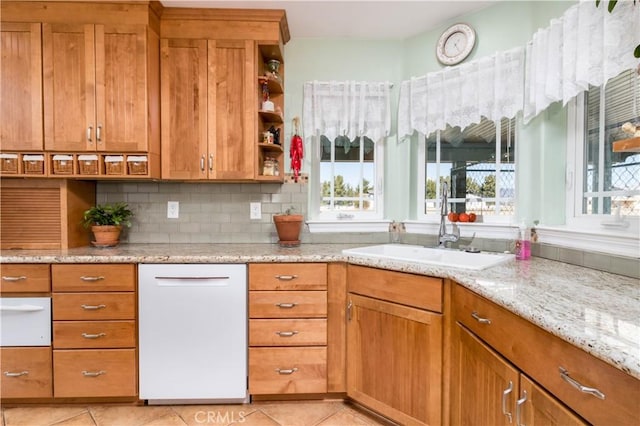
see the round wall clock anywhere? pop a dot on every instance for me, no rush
(455, 44)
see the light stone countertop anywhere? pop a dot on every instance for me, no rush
(596, 311)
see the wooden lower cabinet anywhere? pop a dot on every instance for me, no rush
(488, 390)
(278, 370)
(394, 360)
(95, 373)
(26, 372)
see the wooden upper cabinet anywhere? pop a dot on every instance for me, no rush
(183, 76)
(232, 106)
(21, 86)
(95, 91)
(207, 109)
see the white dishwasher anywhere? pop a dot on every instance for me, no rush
(192, 333)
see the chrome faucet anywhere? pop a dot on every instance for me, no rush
(443, 236)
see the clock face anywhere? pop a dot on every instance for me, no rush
(455, 44)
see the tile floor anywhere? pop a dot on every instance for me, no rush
(311, 413)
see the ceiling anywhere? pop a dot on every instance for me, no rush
(354, 19)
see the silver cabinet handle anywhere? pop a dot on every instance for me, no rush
(285, 305)
(98, 133)
(286, 371)
(349, 307)
(286, 333)
(90, 279)
(89, 130)
(13, 279)
(478, 318)
(519, 406)
(505, 394)
(93, 307)
(10, 374)
(93, 373)
(211, 162)
(564, 374)
(93, 336)
(286, 277)
(202, 163)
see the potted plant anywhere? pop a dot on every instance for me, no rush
(288, 226)
(106, 222)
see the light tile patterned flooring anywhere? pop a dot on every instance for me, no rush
(311, 413)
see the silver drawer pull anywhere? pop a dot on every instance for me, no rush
(519, 405)
(564, 374)
(286, 333)
(85, 278)
(93, 307)
(93, 373)
(505, 394)
(285, 305)
(10, 374)
(286, 277)
(286, 371)
(20, 278)
(93, 336)
(478, 318)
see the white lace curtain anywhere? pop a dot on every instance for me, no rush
(347, 108)
(489, 87)
(586, 46)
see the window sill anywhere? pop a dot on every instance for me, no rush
(482, 230)
(348, 225)
(590, 240)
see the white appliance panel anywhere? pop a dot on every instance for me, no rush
(193, 332)
(25, 321)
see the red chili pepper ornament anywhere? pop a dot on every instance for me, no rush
(296, 150)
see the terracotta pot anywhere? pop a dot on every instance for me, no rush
(288, 227)
(106, 235)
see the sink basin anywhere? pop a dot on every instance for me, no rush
(430, 256)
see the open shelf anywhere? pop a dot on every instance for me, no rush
(627, 145)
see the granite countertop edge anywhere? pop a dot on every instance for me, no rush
(555, 296)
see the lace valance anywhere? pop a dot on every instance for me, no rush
(586, 46)
(488, 87)
(347, 108)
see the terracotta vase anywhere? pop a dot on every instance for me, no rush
(106, 235)
(288, 227)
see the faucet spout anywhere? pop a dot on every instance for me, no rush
(443, 236)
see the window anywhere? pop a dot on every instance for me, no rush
(349, 176)
(347, 123)
(478, 163)
(607, 183)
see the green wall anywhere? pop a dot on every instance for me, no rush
(500, 27)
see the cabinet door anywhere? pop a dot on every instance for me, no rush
(184, 108)
(69, 87)
(21, 87)
(394, 360)
(121, 83)
(232, 110)
(539, 407)
(484, 387)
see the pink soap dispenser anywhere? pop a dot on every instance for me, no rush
(523, 244)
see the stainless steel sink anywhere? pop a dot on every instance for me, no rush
(431, 256)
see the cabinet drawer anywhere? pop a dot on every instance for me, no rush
(541, 355)
(93, 277)
(94, 306)
(287, 304)
(399, 287)
(25, 321)
(21, 278)
(94, 372)
(288, 276)
(26, 372)
(287, 332)
(94, 334)
(287, 370)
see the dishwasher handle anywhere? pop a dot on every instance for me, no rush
(21, 308)
(192, 281)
